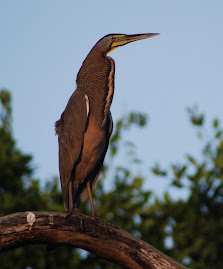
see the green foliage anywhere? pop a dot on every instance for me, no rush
(196, 118)
(189, 230)
(6, 110)
(197, 222)
(158, 171)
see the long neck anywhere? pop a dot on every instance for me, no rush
(96, 79)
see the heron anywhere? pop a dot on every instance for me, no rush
(85, 126)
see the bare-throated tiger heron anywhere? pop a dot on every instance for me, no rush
(85, 126)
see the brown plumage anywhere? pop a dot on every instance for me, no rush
(85, 126)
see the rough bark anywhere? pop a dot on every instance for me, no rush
(104, 240)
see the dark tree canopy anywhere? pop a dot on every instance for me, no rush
(189, 230)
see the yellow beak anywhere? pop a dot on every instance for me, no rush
(120, 40)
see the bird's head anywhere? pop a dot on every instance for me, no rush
(112, 41)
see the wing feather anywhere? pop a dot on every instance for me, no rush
(97, 170)
(70, 129)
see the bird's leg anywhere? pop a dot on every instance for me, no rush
(91, 200)
(94, 215)
(71, 205)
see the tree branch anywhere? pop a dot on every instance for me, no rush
(106, 241)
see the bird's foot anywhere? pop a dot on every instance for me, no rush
(104, 223)
(69, 213)
(73, 211)
(99, 220)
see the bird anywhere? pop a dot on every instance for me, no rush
(86, 124)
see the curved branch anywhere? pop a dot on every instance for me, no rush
(104, 240)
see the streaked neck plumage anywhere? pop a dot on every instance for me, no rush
(96, 79)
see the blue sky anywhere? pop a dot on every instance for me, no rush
(43, 44)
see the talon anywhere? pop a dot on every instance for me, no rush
(99, 220)
(81, 223)
(106, 228)
(69, 213)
